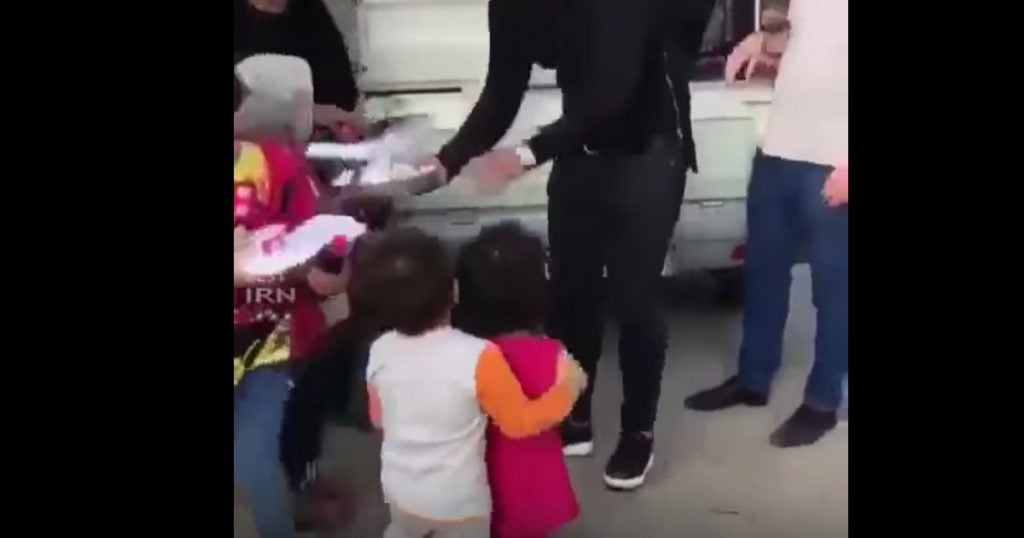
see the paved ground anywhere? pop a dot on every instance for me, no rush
(714, 475)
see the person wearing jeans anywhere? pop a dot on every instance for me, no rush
(798, 196)
(271, 186)
(259, 411)
(785, 208)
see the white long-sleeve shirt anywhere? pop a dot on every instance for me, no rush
(809, 118)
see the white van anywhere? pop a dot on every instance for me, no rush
(430, 57)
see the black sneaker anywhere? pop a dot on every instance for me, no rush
(628, 466)
(577, 438)
(724, 396)
(805, 427)
(304, 512)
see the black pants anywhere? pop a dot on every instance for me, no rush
(616, 213)
(330, 384)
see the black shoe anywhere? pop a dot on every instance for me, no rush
(628, 466)
(577, 438)
(805, 427)
(304, 512)
(724, 396)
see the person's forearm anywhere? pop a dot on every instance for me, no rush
(374, 406)
(501, 397)
(333, 78)
(508, 75)
(486, 124)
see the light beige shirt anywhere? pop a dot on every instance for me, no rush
(432, 456)
(809, 115)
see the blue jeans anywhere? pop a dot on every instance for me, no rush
(785, 211)
(259, 410)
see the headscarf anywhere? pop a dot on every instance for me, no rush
(279, 98)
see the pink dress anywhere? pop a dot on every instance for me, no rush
(530, 484)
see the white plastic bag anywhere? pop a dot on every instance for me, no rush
(274, 252)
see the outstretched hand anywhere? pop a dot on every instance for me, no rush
(837, 186)
(494, 170)
(435, 163)
(748, 55)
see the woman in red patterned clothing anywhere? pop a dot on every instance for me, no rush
(276, 320)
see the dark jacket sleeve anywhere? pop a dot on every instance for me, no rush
(333, 80)
(508, 74)
(615, 35)
(686, 22)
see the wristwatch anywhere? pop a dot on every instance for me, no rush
(526, 156)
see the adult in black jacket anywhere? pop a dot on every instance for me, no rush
(621, 152)
(302, 28)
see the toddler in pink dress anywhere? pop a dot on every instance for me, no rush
(502, 297)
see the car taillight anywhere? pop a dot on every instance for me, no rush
(739, 252)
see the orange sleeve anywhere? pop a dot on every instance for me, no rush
(374, 399)
(501, 397)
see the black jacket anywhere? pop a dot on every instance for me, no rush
(307, 30)
(623, 67)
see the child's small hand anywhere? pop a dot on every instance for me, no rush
(570, 373)
(325, 284)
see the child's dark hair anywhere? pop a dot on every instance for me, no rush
(502, 282)
(403, 279)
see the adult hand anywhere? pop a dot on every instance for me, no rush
(837, 186)
(494, 170)
(326, 284)
(334, 117)
(748, 55)
(435, 163)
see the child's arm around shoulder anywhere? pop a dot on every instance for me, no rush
(374, 399)
(501, 396)
(373, 396)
